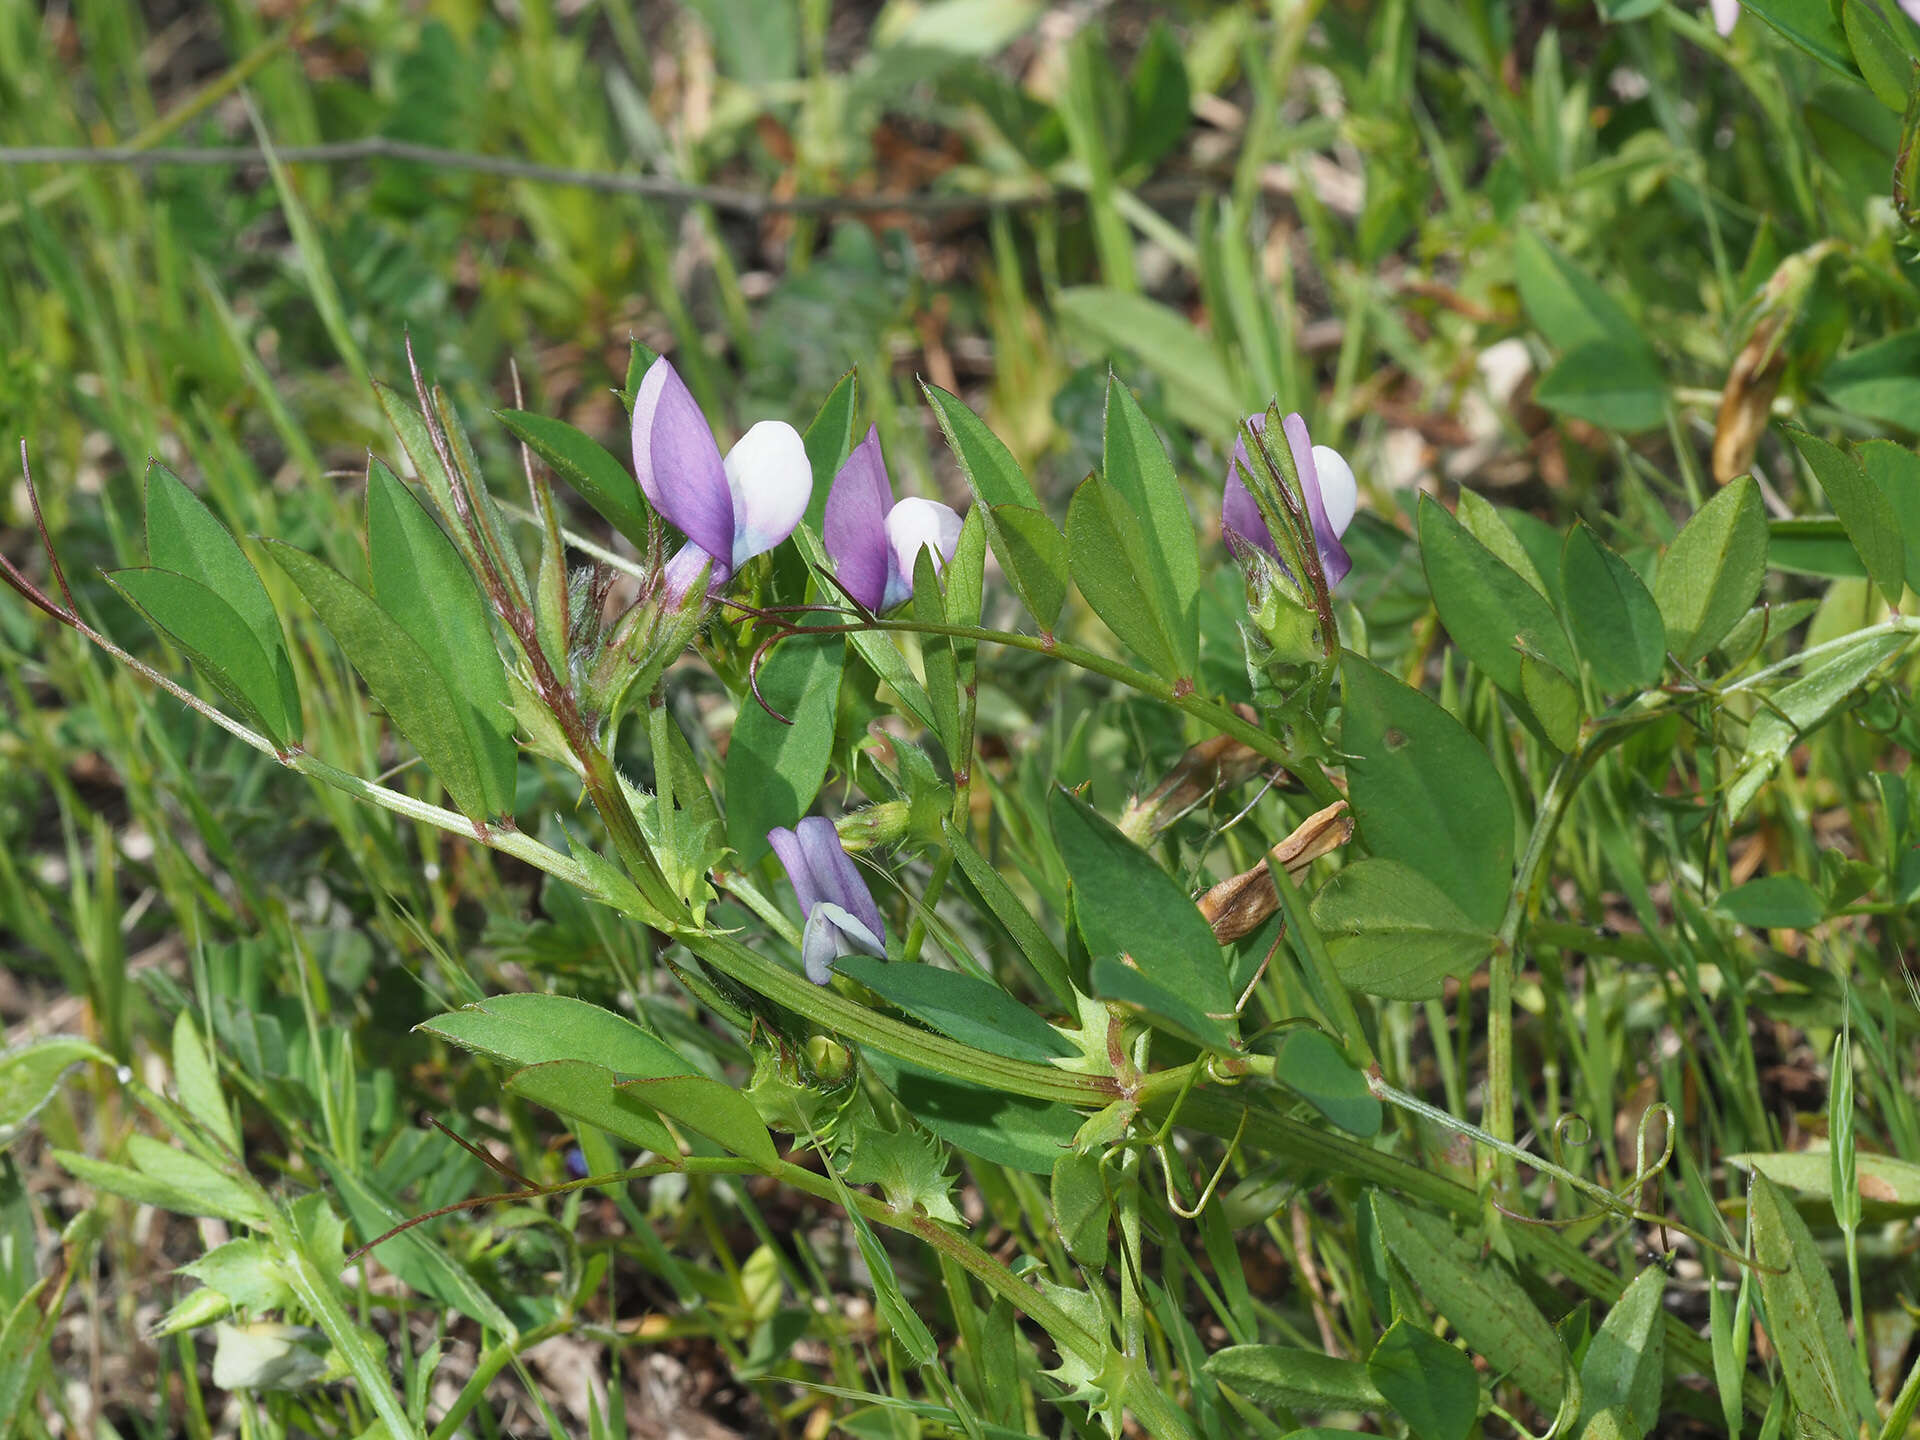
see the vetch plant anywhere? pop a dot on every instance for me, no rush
(1058, 1001)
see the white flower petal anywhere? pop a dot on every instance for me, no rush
(914, 525)
(771, 482)
(1339, 494)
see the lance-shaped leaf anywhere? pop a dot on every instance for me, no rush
(1804, 1320)
(1622, 1368)
(1126, 904)
(421, 582)
(30, 1076)
(1478, 1296)
(774, 769)
(1492, 614)
(1108, 554)
(184, 536)
(401, 675)
(598, 478)
(1713, 570)
(535, 1030)
(1424, 792)
(1863, 509)
(1614, 621)
(961, 1006)
(1029, 546)
(1393, 933)
(216, 640)
(1799, 707)
(1136, 466)
(1431, 1384)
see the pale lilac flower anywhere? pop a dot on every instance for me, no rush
(730, 510)
(1325, 479)
(873, 539)
(841, 916)
(1726, 14)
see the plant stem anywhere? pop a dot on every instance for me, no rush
(1212, 712)
(491, 1364)
(1497, 1115)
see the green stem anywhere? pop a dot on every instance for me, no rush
(1212, 712)
(491, 1364)
(1222, 1114)
(1497, 1115)
(853, 1021)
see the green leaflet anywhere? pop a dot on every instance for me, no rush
(599, 479)
(1613, 386)
(1081, 1208)
(1003, 1129)
(1491, 613)
(1030, 547)
(1811, 25)
(591, 1094)
(1424, 792)
(218, 641)
(775, 769)
(960, 1006)
(1108, 555)
(1784, 902)
(1622, 1368)
(425, 587)
(184, 536)
(1393, 933)
(1804, 1320)
(1713, 570)
(992, 473)
(1568, 306)
(1864, 510)
(30, 1076)
(1478, 1297)
(1431, 1384)
(1164, 1006)
(1616, 626)
(531, 1030)
(401, 675)
(1895, 470)
(1034, 553)
(1799, 707)
(198, 1083)
(1124, 903)
(1137, 468)
(1311, 1066)
(1299, 1379)
(1034, 942)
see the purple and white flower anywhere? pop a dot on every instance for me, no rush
(841, 916)
(873, 539)
(1326, 480)
(730, 510)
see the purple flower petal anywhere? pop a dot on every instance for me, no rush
(833, 875)
(856, 522)
(1334, 560)
(677, 462)
(683, 572)
(1240, 519)
(841, 915)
